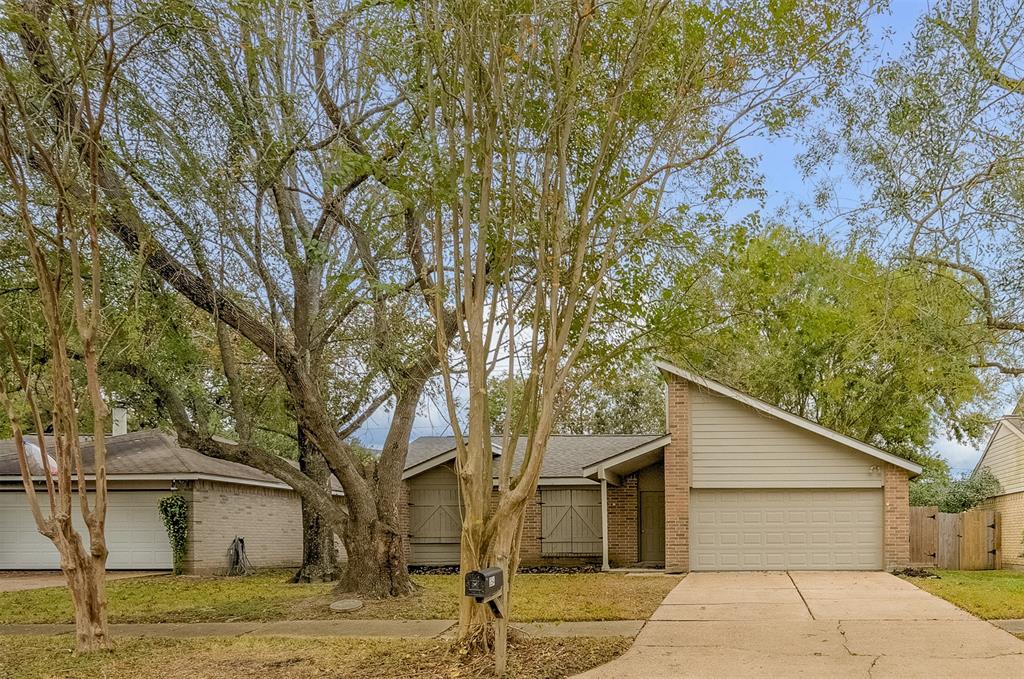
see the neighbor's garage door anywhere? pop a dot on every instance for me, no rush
(136, 538)
(813, 529)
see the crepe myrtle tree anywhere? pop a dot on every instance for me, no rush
(50, 200)
(255, 168)
(567, 142)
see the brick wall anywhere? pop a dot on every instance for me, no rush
(1011, 516)
(896, 552)
(623, 523)
(677, 476)
(530, 544)
(269, 519)
(403, 519)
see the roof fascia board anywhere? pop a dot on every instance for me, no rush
(428, 464)
(175, 477)
(627, 455)
(789, 417)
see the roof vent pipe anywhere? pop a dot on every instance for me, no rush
(119, 421)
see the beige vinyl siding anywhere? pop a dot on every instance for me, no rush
(1005, 458)
(435, 521)
(735, 446)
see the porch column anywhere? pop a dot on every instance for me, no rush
(604, 523)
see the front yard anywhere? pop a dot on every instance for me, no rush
(34, 657)
(992, 595)
(268, 596)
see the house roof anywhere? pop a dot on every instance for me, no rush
(565, 458)
(150, 454)
(779, 413)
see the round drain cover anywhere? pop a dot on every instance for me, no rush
(346, 605)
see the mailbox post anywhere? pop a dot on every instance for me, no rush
(487, 586)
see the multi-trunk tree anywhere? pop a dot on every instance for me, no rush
(254, 165)
(50, 200)
(567, 144)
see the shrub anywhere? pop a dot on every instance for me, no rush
(954, 495)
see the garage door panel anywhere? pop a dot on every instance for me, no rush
(734, 529)
(135, 534)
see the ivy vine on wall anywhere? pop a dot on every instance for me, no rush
(174, 512)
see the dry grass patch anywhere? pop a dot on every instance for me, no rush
(269, 596)
(992, 595)
(39, 657)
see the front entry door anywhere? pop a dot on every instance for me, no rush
(652, 526)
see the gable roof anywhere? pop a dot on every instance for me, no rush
(151, 454)
(786, 416)
(565, 458)
(1012, 423)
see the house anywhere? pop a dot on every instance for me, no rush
(734, 484)
(1004, 456)
(226, 500)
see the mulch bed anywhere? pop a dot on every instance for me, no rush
(917, 573)
(454, 570)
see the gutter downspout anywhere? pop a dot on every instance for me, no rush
(604, 523)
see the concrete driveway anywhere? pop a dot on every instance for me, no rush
(16, 581)
(813, 624)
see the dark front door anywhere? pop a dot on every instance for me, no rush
(652, 526)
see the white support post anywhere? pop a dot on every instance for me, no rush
(604, 524)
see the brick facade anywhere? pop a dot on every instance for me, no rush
(896, 544)
(677, 476)
(1011, 515)
(530, 543)
(623, 523)
(270, 520)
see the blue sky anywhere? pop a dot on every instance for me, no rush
(786, 186)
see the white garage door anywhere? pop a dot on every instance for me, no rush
(813, 529)
(136, 538)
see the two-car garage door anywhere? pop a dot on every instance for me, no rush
(803, 529)
(136, 538)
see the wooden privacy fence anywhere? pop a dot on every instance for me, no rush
(969, 541)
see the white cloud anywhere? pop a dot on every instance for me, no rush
(961, 457)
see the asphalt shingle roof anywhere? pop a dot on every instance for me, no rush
(146, 452)
(566, 456)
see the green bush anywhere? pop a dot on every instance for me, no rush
(954, 495)
(174, 512)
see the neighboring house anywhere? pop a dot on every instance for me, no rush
(226, 500)
(1004, 456)
(735, 484)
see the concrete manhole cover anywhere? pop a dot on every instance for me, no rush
(346, 605)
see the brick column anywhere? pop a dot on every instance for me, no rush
(896, 550)
(677, 476)
(530, 544)
(623, 523)
(403, 520)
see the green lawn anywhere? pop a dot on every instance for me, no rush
(268, 596)
(992, 595)
(36, 657)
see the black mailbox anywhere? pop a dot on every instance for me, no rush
(485, 584)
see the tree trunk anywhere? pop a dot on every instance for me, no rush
(376, 561)
(476, 621)
(86, 576)
(319, 551)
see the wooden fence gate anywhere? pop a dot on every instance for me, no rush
(969, 541)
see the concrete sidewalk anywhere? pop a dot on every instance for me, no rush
(840, 625)
(339, 628)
